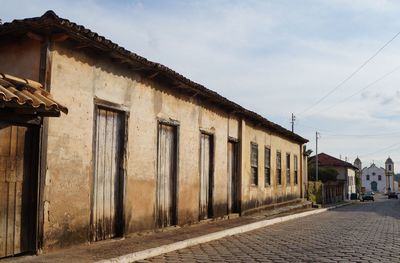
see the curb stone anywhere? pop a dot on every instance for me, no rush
(152, 252)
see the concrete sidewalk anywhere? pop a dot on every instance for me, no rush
(141, 246)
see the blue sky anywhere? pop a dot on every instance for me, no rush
(273, 57)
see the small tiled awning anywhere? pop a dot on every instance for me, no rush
(27, 97)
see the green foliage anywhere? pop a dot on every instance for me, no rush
(315, 192)
(324, 174)
(358, 181)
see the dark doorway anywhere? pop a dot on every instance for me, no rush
(166, 196)
(18, 188)
(108, 181)
(233, 178)
(206, 176)
(374, 186)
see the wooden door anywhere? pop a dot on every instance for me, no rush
(107, 206)
(166, 214)
(206, 176)
(18, 189)
(233, 180)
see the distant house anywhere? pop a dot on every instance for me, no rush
(346, 172)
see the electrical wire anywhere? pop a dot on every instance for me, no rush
(381, 150)
(351, 75)
(360, 90)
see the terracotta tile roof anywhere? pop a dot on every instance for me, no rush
(51, 24)
(327, 160)
(28, 95)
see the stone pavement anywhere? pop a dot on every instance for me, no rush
(363, 232)
(139, 242)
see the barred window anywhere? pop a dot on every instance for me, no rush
(278, 168)
(267, 166)
(254, 163)
(367, 177)
(288, 169)
(380, 177)
(295, 170)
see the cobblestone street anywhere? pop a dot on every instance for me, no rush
(363, 232)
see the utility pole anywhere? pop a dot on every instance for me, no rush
(316, 156)
(292, 122)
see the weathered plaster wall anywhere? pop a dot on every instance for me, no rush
(20, 57)
(69, 158)
(76, 80)
(257, 195)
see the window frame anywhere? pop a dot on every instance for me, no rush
(295, 169)
(278, 167)
(288, 179)
(254, 163)
(267, 167)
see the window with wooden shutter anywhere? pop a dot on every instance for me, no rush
(278, 168)
(267, 166)
(254, 163)
(287, 169)
(295, 170)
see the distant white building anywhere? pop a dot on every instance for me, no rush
(373, 178)
(379, 179)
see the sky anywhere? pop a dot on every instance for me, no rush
(272, 57)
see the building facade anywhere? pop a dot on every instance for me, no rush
(346, 172)
(141, 147)
(373, 178)
(379, 179)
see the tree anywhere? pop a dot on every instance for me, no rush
(324, 174)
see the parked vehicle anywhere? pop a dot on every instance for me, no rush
(368, 196)
(393, 195)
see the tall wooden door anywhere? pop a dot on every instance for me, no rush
(206, 176)
(18, 189)
(166, 212)
(107, 201)
(233, 179)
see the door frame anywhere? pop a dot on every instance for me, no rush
(176, 125)
(124, 111)
(210, 208)
(36, 161)
(234, 203)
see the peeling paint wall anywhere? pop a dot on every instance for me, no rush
(259, 195)
(77, 80)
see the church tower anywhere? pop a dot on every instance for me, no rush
(358, 164)
(389, 172)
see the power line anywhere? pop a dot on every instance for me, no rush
(331, 134)
(381, 150)
(365, 135)
(361, 90)
(351, 75)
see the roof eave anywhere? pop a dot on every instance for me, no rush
(50, 23)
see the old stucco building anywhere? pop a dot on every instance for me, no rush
(141, 147)
(346, 172)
